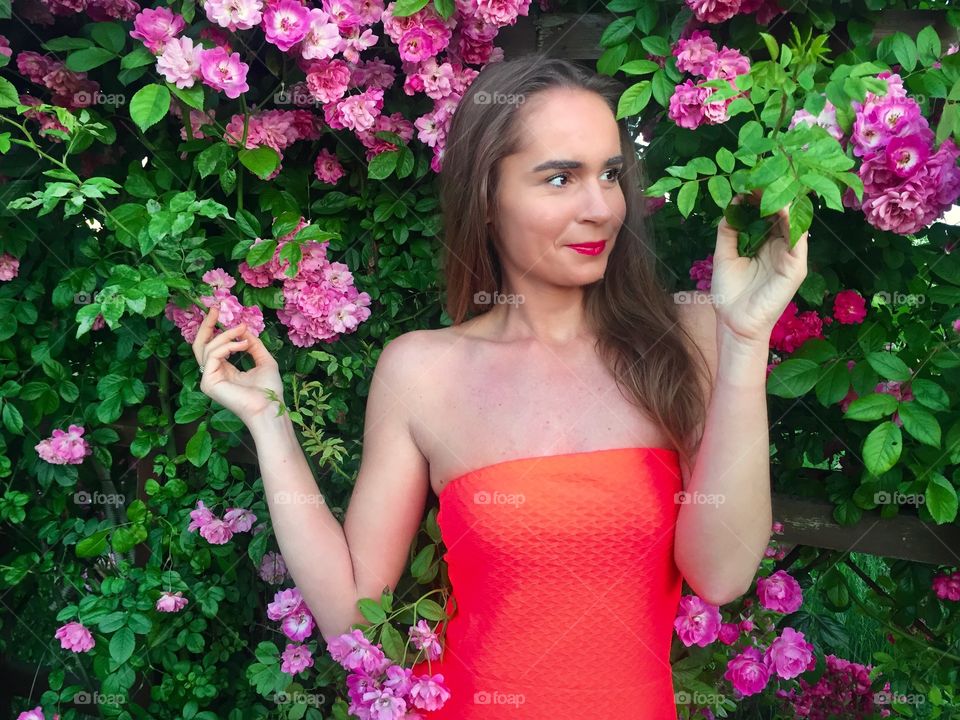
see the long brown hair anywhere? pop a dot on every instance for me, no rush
(634, 317)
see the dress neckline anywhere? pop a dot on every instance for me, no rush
(458, 478)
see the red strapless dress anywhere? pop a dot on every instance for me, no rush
(564, 586)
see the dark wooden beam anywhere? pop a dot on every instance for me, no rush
(905, 537)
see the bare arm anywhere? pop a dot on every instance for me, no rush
(333, 566)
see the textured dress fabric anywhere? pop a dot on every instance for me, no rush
(563, 587)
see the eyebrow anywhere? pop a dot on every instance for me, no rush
(572, 164)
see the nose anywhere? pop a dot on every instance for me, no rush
(596, 202)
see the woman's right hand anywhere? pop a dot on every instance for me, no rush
(241, 392)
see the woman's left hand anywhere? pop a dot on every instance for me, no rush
(750, 294)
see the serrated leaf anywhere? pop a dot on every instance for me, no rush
(720, 191)
(882, 447)
(687, 197)
(149, 105)
(920, 423)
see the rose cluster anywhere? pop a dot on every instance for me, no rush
(843, 691)
(787, 656)
(218, 531)
(320, 300)
(65, 447)
(379, 688)
(232, 312)
(690, 105)
(907, 184)
(718, 11)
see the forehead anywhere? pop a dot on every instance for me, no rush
(568, 122)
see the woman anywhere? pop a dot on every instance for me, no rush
(591, 438)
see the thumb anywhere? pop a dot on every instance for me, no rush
(727, 237)
(258, 351)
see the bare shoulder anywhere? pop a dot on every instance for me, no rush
(413, 366)
(698, 317)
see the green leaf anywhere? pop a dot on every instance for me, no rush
(882, 447)
(687, 197)
(213, 159)
(93, 545)
(8, 94)
(726, 160)
(88, 59)
(634, 99)
(889, 366)
(780, 192)
(383, 165)
(825, 188)
(772, 47)
(656, 45)
(430, 610)
(800, 217)
(109, 35)
(930, 394)
(138, 57)
(392, 643)
(941, 499)
(871, 407)
(617, 32)
(66, 43)
(920, 423)
(149, 105)
(261, 253)
(639, 67)
(371, 610)
(704, 165)
(199, 446)
(720, 191)
(403, 8)
(905, 50)
(122, 645)
(834, 385)
(662, 88)
(793, 378)
(193, 97)
(112, 622)
(928, 46)
(663, 185)
(261, 161)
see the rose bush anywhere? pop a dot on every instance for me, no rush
(276, 160)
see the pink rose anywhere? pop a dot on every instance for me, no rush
(779, 592)
(697, 622)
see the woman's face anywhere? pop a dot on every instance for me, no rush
(561, 189)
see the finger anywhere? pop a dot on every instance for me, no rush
(726, 247)
(219, 355)
(205, 332)
(258, 351)
(225, 337)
